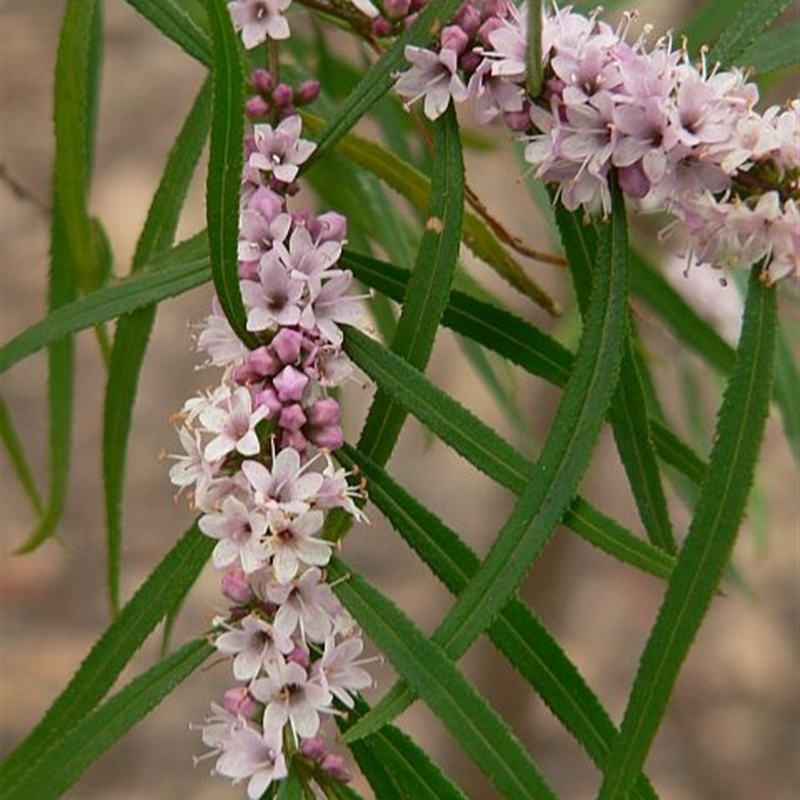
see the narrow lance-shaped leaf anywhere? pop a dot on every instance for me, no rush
(173, 21)
(133, 330)
(709, 542)
(16, 452)
(429, 285)
(565, 455)
(225, 168)
(470, 720)
(182, 268)
(489, 452)
(628, 413)
(72, 257)
(89, 736)
(169, 582)
(517, 633)
(517, 341)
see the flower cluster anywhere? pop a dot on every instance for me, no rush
(680, 137)
(257, 463)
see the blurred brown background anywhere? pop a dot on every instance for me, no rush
(732, 733)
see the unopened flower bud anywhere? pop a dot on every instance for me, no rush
(468, 18)
(287, 345)
(290, 384)
(235, 586)
(454, 38)
(314, 748)
(397, 8)
(269, 399)
(307, 92)
(262, 362)
(333, 765)
(300, 656)
(517, 120)
(381, 27)
(266, 202)
(239, 701)
(282, 94)
(292, 417)
(256, 107)
(262, 81)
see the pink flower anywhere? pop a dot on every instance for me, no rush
(291, 696)
(259, 20)
(280, 151)
(306, 603)
(433, 76)
(234, 421)
(274, 299)
(239, 530)
(255, 645)
(339, 669)
(253, 755)
(294, 543)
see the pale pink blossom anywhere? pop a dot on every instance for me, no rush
(254, 645)
(238, 529)
(433, 76)
(280, 151)
(233, 419)
(259, 20)
(291, 696)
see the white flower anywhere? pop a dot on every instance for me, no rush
(254, 645)
(259, 20)
(307, 603)
(280, 150)
(254, 756)
(290, 696)
(433, 76)
(239, 530)
(339, 670)
(233, 419)
(294, 543)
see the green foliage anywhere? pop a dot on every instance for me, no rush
(609, 378)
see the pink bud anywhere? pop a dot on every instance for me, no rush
(307, 92)
(333, 765)
(330, 437)
(454, 38)
(235, 586)
(300, 656)
(295, 440)
(397, 8)
(282, 94)
(331, 227)
(469, 18)
(256, 107)
(381, 27)
(266, 202)
(470, 61)
(292, 417)
(290, 383)
(262, 81)
(287, 344)
(261, 362)
(517, 120)
(314, 748)
(238, 701)
(324, 412)
(269, 399)
(488, 28)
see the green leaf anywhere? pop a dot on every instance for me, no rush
(380, 77)
(628, 413)
(709, 542)
(133, 329)
(16, 452)
(549, 491)
(182, 268)
(470, 720)
(169, 582)
(741, 30)
(176, 24)
(428, 288)
(515, 340)
(225, 168)
(291, 788)
(787, 379)
(412, 184)
(516, 632)
(64, 759)
(72, 256)
(775, 50)
(482, 446)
